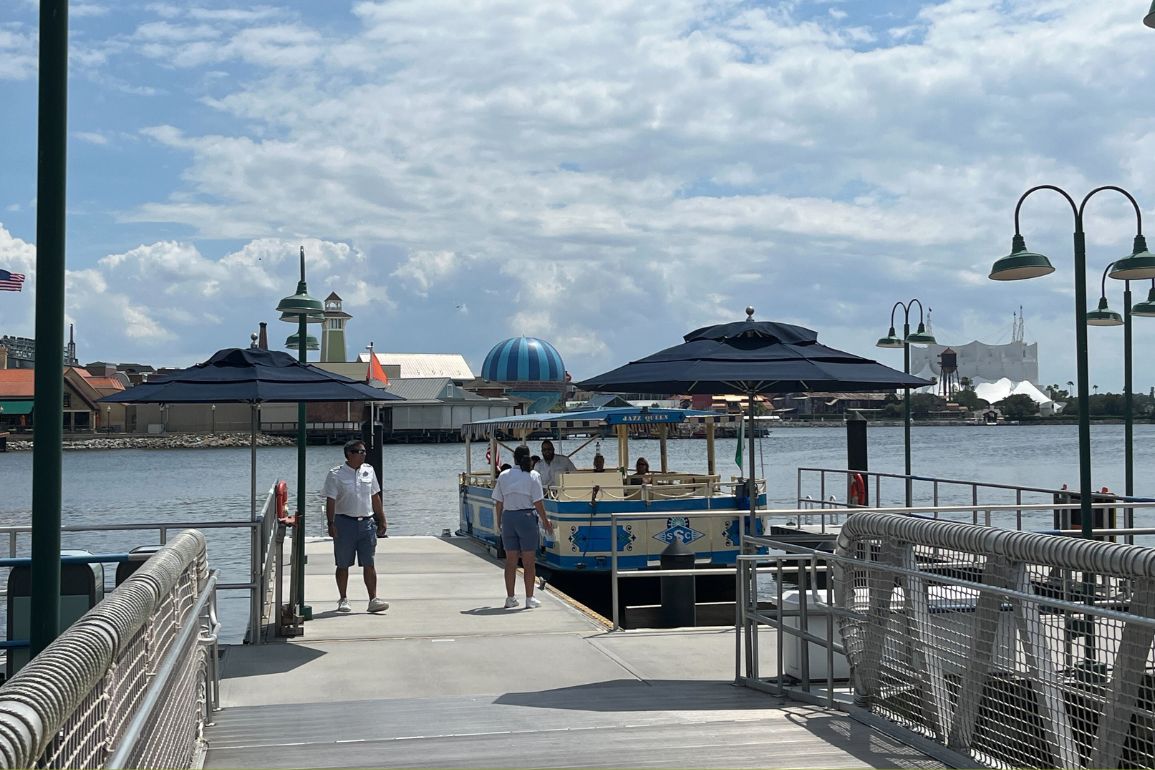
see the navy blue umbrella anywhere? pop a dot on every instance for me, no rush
(249, 376)
(751, 357)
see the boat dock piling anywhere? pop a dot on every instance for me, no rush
(449, 678)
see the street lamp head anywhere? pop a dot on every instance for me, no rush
(920, 337)
(1137, 267)
(310, 342)
(1020, 263)
(1145, 309)
(1103, 316)
(293, 307)
(1149, 19)
(891, 340)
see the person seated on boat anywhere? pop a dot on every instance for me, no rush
(641, 472)
(599, 463)
(551, 466)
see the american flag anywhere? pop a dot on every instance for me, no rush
(11, 281)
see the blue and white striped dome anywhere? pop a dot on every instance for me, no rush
(523, 359)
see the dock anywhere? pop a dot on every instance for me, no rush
(447, 677)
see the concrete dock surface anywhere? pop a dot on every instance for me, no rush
(447, 677)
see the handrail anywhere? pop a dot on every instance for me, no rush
(67, 707)
(160, 679)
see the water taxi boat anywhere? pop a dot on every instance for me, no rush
(580, 503)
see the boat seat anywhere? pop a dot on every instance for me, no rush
(579, 485)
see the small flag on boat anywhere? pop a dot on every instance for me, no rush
(11, 281)
(496, 461)
(741, 440)
(376, 371)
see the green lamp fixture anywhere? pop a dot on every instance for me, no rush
(1020, 263)
(293, 342)
(891, 340)
(1149, 19)
(921, 337)
(1137, 267)
(1103, 316)
(1146, 308)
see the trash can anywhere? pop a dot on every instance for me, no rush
(81, 587)
(816, 623)
(136, 557)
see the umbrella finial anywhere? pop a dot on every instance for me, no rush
(749, 312)
(253, 340)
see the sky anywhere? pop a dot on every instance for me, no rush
(604, 174)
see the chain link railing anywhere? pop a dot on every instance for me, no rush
(989, 642)
(130, 684)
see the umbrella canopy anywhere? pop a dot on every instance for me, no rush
(249, 376)
(750, 357)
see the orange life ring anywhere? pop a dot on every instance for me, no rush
(857, 496)
(281, 502)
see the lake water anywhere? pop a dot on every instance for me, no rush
(420, 480)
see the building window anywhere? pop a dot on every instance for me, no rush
(67, 400)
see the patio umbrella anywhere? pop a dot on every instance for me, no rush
(250, 376)
(751, 358)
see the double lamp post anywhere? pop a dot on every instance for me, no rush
(1139, 265)
(891, 340)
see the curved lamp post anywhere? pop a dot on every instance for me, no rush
(1021, 264)
(301, 309)
(919, 337)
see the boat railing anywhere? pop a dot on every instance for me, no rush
(818, 491)
(988, 646)
(132, 683)
(580, 485)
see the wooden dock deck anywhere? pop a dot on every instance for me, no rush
(448, 678)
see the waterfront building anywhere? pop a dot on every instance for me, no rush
(18, 391)
(531, 369)
(419, 365)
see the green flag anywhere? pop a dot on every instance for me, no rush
(741, 436)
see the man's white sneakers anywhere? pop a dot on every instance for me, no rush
(510, 602)
(378, 605)
(533, 601)
(343, 606)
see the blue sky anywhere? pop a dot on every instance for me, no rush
(605, 175)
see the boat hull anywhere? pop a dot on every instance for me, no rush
(581, 540)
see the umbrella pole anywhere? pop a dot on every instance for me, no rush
(256, 544)
(752, 486)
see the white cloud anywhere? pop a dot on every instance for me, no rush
(613, 175)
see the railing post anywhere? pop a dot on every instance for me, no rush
(614, 569)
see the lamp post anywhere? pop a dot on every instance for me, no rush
(108, 419)
(920, 337)
(1104, 316)
(213, 412)
(301, 309)
(1022, 264)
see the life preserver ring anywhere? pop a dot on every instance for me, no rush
(281, 503)
(857, 495)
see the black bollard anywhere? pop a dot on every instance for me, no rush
(678, 591)
(856, 451)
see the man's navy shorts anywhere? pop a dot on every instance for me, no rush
(519, 530)
(354, 537)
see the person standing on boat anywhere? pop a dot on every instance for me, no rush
(356, 519)
(517, 504)
(551, 466)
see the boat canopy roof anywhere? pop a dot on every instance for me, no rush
(596, 418)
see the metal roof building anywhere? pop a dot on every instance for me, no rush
(420, 365)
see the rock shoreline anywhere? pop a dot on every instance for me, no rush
(171, 441)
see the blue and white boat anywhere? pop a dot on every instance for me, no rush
(700, 509)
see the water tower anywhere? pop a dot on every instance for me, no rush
(948, 379)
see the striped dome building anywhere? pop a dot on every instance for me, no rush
(531, 368)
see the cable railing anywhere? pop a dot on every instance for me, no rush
(980, 641)
(132, 683)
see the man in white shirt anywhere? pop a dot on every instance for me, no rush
(551, 466)
(356, 519)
